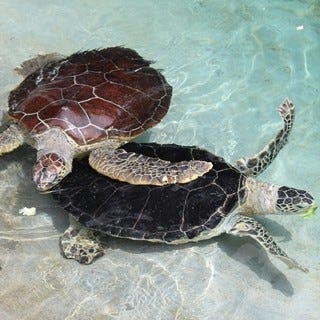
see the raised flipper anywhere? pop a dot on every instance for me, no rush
(255, 165)
(11, 138)
(80, 243)
(139, 169)
(245, 226)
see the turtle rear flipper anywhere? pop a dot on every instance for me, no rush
(255, 165)
(142, 170)
(80, 243)
(11, 138)
(31, 65)
(245, 226)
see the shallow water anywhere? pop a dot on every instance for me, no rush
(230, 64)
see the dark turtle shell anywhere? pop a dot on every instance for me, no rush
(166, 213)
(92, 95)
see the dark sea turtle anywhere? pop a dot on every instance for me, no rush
(92, 101)
(224, 200)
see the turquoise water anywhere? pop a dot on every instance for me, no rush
(231, 63)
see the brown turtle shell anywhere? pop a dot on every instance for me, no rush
(93, 95)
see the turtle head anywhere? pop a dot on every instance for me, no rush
(49, 170)
(291, 200)
(266, 198)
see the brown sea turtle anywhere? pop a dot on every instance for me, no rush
(92, 101)
(224, 200)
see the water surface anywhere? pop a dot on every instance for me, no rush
(230, 64)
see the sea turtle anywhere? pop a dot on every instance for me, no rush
(223, 200)
(92, 101)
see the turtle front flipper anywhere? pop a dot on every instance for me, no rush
(11, 138)
(258, 163)
(138, 169)
(245, 226)
(80, 243)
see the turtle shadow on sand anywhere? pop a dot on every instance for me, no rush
(278, 230)
(255, 258)
(242, 250)
(24, 153)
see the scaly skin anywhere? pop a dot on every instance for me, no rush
(246, 226)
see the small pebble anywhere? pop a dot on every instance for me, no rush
(28, 211)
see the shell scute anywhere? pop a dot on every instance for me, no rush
(141, 82)
(59, 83)
(64, 110)
(119, 96)
(89, 131)
(71, 70)
(101, 113)
(90, 78)
(78, 92)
